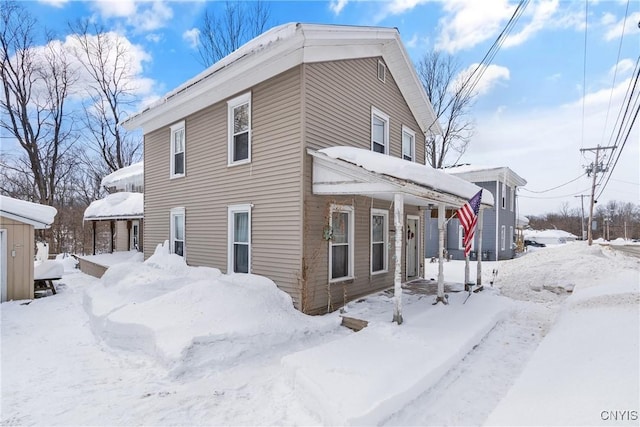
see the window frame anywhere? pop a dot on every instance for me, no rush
(381, 67)
(503, 237)
(412, 134)
(350, 242)
(385, 242)
(180, 126)
(175, 212)
(231, 211)
(461, 239)
(375, 112)
(504, 195)
(232, 104)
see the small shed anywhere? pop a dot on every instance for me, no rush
(18, 220)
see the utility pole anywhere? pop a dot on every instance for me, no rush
(582, 230)
(594, 168)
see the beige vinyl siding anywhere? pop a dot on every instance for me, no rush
(122, 236)
(338, 100)
(271, 182)
(20, 237)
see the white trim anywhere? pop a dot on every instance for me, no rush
(231, 210)
(350, 242)
(503, 195)
(461, 239)
(381, 66)
(385, 261)
(512, 202)
(503, 237)
(174, 129)
(174, 213)
(512, 240)
(232, 104)
(412, 134)
(385, 118)
(4, 253)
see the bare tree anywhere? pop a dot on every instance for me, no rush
(439, 75)
(106, 61)
(238, 23)
(36, 81)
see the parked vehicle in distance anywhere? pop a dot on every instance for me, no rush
(534, 243)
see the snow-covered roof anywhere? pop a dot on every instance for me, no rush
(40, 216)
(522, 221)
(398, 171)
(128, 176)
(477, 173)
(122, 205)
(280, 49)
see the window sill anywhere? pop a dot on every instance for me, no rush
(238, 163)
(344, 280)
(376, 273)
(177, 176)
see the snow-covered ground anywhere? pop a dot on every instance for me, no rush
(159, 343)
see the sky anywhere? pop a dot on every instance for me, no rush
(556, 86)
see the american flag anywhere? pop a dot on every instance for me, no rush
(468, 215)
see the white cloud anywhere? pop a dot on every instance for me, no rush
(542, 146)
(541, 14)
(54, 3)
(336, 6)
(413, 42)
(192, 37)
(622, 67)
(468, 23)
(608, 19)
(153, 37)
(492, 76)
(141, 15)
(631, 27)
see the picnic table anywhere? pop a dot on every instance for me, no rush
(44, 273)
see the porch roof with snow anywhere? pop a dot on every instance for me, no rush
(40, 216)
(280, 49)
(123, 178)
(349, 170)
(122, 205)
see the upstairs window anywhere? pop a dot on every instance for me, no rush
(177, 231)
(177, 150)
(408, 144)
(239, 111)
(379, 131)
(504, 195)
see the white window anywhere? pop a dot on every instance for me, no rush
(408, 144)
(379, 240)
(382, 71)
(503, 237)
(512, 237)
(239, 113)
(461, 239)
(178, 232)
(379, 131)
(177, 150)
(504, 195)
(239, 250)
(512, 202)
(341, 243)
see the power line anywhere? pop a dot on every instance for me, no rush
(554, 188)
(554, 197)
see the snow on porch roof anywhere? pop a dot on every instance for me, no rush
(132, 174)
(389, 175)
(122, 205)
(40, 216)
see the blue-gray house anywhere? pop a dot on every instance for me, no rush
(499, 222)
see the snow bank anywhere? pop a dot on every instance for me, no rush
(170, 311)
(116, 205)
(69, 263)
(365, 377)
(549, 237)
(47, 270)
(585, 371)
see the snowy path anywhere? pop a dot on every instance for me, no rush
(468, 393)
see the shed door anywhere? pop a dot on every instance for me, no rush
(3, 265)
(412, 252)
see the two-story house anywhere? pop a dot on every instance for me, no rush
(122, 210)
(299, 157)
(499, 226)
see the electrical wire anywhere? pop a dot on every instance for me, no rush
(554, 188)
(556, 197)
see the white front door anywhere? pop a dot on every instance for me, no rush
(3, 265)
(412, 251)
(134, 244)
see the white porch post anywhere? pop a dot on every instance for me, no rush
(441, 225)
(398, 219)
(479, 251)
